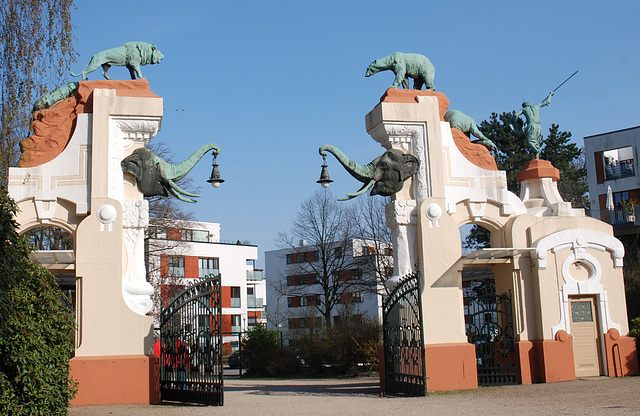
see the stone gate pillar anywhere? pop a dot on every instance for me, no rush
(70, 176)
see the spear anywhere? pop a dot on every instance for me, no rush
(556, 88)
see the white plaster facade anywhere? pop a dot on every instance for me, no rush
(236, 265)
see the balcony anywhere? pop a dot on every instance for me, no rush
(255, 303)
(622, 221)
(618, 216)
(255, 275)
(623, 170)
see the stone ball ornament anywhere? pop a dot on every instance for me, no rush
(107, 214)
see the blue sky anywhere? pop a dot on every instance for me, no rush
(272, 81)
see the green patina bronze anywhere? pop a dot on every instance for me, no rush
(385, 175)
(531, 128)
(155, 176)
(132, 55)
(54, 96)
(405, 66)
(468, 126)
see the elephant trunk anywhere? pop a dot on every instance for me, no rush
(179, 171)
(363, 173)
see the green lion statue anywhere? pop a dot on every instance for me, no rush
(405, 66)
(132, 55)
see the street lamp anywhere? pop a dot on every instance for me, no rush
(215, 179)
(324, 180)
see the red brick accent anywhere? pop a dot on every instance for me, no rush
(191, 267)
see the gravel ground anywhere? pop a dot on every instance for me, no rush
(586, 396)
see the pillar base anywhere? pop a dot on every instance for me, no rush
(451, 366)
(622, 356)
(546, 361)
(117, 379)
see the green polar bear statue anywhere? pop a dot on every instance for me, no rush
(405, 66)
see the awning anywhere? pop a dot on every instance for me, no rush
(55, 259)
(494, 255)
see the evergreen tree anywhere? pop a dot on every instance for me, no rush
(36, 329)
(513, 153)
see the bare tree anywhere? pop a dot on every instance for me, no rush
(372, 229)
(167, 216)
(36, 53)
(321, 241)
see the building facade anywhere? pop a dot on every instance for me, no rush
(194, 250)
(612, 162)
(294, 291)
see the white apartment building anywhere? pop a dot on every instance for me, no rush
(612, 162)
(194, 250)
(293, 291)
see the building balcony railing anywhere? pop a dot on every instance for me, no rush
(618, 216)
(255, 275)
(255, 303)
(623, 170)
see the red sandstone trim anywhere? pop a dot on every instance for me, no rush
(54, 127)
(451, 366)
(537, 169)
(123, 379)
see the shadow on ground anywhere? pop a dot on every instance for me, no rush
(317, 389)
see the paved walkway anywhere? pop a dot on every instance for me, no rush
(587, 396)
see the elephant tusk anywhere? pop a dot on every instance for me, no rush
(180, 193)
(180, 197)
(362, 190)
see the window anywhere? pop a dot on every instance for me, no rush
(157, 232)
(176, 266)
(235, 297)
(208, 267)
(310, 323)
(618, 163)
(300, 280)
(307, 256)
(357, 297)
(235, 323)
(368, 251)
(294, 301)
(50, 238)
(337, 252)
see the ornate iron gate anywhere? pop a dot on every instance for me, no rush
(490, 329)
(404, 360)
(191, 345)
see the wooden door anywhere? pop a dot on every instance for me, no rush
(586, 339)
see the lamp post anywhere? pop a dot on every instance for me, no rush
(215, 179)
(324, 180)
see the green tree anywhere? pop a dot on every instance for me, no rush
(36, 53)
(512, 155)
(36, 329)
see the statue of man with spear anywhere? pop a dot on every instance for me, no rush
(532, 128)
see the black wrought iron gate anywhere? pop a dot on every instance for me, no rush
(490, 329)
(403, 337)
(191, 345)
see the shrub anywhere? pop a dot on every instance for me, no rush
(264, 355)
(36, 329)
(352, 341)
